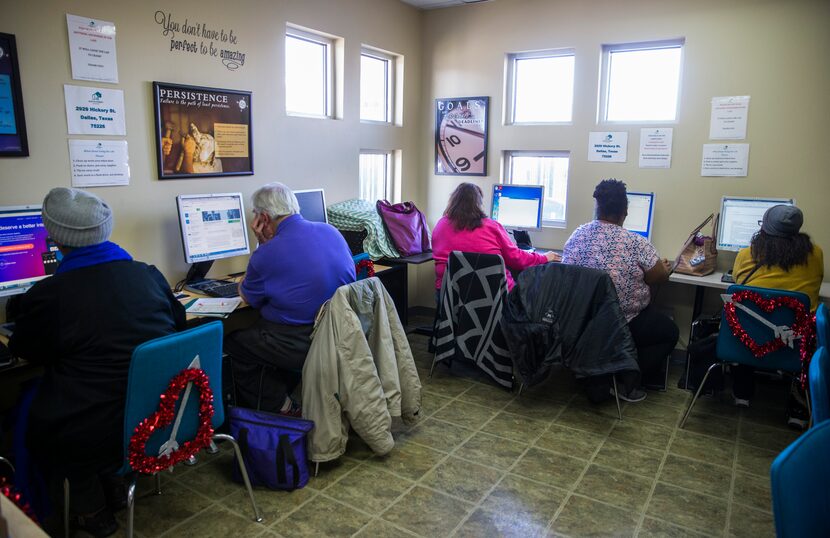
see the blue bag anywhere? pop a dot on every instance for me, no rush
(273, 448)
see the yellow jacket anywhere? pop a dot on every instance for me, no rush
(804, 278)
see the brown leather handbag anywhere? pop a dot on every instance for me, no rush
(699, 256)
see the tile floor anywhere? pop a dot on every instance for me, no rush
(483, 462)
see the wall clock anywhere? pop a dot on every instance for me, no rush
(461, 136)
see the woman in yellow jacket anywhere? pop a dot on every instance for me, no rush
(779, 257)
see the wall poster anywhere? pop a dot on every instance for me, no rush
(461, 136)
(13, 141)
(202, 132)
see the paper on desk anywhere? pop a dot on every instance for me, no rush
(210, 306)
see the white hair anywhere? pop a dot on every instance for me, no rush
(275, 200)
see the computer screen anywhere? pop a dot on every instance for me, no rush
(741, 217)
(212, 226)
(26, 252)
(518, 206)
(640, 213)
(312, 204)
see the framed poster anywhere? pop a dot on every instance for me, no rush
(202, 132)
(461, 136)
(13, 141)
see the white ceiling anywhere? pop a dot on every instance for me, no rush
(437, 4)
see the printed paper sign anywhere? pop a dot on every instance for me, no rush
(729, 115)
(725, 160)
(98, 163)
(608, 147)
(92, 49)
(94, 111)
(655, 148)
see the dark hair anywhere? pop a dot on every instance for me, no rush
(612, 202)
(464, 208)
(784, 252)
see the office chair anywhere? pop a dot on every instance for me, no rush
(153, 365)
(758, 325)
(820, 385)
(800, 478)
(822, 326)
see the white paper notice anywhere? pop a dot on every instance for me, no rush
(98, 163)
(608, 147)
(655, 148)
(94, 111)
(92, 49)
(725, 160)
(729, 115)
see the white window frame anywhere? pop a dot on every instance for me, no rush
(605, 71)
(510, 86)
(507, 175)
(389, 167)
(329, 43)
(390, 90)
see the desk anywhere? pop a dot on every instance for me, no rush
(401, 264)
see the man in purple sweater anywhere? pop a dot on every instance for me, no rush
(296, 268)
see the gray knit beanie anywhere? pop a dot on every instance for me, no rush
(76, 218)
(782, 220)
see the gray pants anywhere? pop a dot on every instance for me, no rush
(266, 362)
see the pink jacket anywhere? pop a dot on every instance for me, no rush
(489, 238)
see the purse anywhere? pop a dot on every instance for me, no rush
(699, 256)
(273, 447)
(406, 226)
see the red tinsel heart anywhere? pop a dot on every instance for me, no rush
(164, 415)
(9, 491)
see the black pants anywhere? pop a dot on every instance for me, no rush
(655, 336)
(266, 362)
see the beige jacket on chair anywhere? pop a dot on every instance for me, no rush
(359, 372)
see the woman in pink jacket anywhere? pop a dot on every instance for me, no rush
(465, 227)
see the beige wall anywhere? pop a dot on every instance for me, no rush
(774, 51)
(301, 152)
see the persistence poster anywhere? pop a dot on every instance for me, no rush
(202, 132)
(12, 123)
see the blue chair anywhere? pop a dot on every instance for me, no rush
(153, 365)
(800, 493)
(820, 385)
(730, 350)
(822, 326)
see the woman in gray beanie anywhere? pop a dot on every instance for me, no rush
(82, 325)
(779, 257)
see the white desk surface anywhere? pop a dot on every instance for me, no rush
(713, 281)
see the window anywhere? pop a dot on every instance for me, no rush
(548, 168)
(375, 175)
(376, 85)
(540, 86)
(641, 81)
(309, 73)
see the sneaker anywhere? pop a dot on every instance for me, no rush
(796, 423)
(633, 396)
(741, 402)
(294, 410)
(100, 524)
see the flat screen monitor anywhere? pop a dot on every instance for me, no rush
(640, 213)
(26, 252)
(518, 206)
(741, 217)
(312, 204)
(212, 226)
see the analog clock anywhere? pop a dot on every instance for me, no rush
(461, 136)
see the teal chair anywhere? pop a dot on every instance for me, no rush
(820, 385)
(153, 365)
(730, 350)
(822, 326)
(800, 493)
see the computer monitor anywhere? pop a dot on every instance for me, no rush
(312, 204)
(518, 206)
(640, 213)
(26, 252)
(213, 227)
(741, 217)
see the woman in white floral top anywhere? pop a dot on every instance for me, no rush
(634, 266)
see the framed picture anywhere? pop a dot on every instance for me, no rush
(461, 136)
(13, 141)
(202, 132)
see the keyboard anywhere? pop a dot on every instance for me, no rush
(226, 291)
